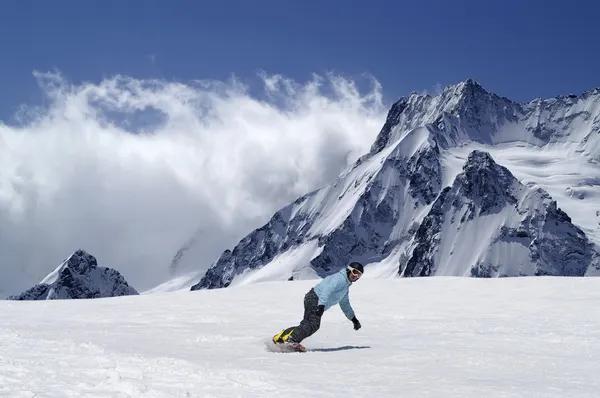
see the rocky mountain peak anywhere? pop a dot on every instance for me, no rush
(471, 88)
(78, 277)
(485, 181)
(464, 111)
(81, 262)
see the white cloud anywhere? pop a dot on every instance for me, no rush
(129, 169)
(436, 89)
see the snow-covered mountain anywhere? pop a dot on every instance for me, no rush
(489, 224)
(78, 277)
(430, 199)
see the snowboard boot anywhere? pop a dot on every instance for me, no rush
(282, 337)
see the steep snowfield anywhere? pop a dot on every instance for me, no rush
(421, 337)
(176, 283)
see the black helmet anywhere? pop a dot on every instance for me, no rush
(356, 265)
(354, 271)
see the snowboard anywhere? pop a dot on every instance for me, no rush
(285, 347)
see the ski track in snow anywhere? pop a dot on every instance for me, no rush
(421, 337)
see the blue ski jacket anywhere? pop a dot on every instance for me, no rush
(333, 290)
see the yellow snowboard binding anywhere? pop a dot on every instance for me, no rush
(281, 339)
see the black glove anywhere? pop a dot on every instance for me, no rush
(356, 323)
(320, 310)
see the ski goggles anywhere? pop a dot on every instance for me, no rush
(356, 273)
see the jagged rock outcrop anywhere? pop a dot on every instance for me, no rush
(78, 277)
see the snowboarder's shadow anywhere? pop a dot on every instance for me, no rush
(342, 348)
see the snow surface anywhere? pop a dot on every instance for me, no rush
(421, 337)
(182, 282)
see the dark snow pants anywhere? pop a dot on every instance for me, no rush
(311, 321)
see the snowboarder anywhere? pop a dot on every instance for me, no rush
(328, 292)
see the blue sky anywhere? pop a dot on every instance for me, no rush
(519, 49)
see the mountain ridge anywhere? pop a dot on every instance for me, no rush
(373, 210)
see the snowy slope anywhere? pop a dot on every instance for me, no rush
(78, 277)
(371, 212)
(420, 337)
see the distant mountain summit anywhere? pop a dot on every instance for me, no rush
(78, 277)
(467, 112)
(407, 209)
